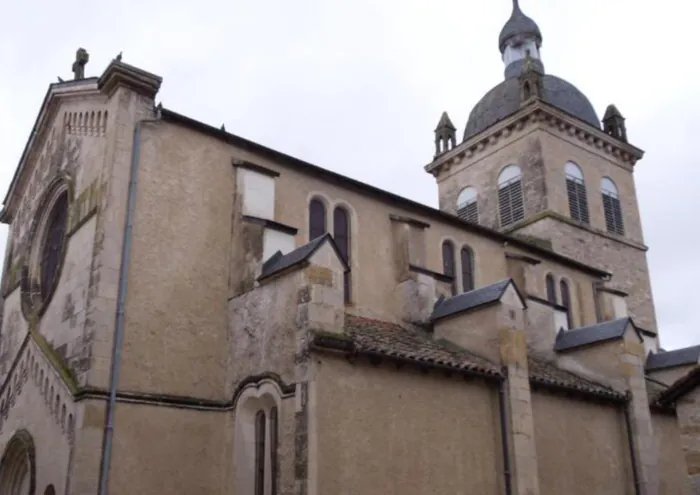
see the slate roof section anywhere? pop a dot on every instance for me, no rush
(503, 101)
(594, 334)
(366, 336)
(548, 375)
(671, 359)
(279, 262)
(471, 300)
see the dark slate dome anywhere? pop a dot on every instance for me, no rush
(504, 100)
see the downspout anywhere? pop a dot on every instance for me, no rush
(121, 297)
(504, 435)
(633, 455)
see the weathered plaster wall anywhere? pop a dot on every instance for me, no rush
(441, 435)
(263, 330)
(581, 447)
(673, 472)
(176, 316)
(170, 450)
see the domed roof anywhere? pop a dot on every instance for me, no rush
(504, 100)
(518, 26)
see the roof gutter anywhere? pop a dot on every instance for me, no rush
(119, 317)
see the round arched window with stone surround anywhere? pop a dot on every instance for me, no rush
(47, 247)
(18, 467)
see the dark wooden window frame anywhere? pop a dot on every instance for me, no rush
(467, 262)
(566, 302)
(448, 263)
(551, 289)
(317, 219)
(342, 237)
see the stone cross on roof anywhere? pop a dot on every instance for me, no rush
(81, 58)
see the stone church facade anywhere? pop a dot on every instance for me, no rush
(187, 311)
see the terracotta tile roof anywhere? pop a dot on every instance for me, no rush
(384, 339)
(389, 340)
(548, 375)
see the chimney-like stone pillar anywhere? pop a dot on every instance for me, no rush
(513, 353)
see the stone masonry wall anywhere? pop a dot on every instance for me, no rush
(627, 264)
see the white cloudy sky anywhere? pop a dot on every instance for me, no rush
(358, 86)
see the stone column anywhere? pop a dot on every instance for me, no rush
(645, 444)
(513, 350)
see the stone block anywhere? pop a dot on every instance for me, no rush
(320, 275)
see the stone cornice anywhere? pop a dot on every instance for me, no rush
(535, 114)
(557, 216)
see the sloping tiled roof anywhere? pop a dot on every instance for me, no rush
(593, 334)
(548, 375)
(279, 262)
(382, 339)
(470, 300)
(391, 340)
(671, 359)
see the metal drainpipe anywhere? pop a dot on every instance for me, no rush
(121, 296)
(633, 455)
(504, 434)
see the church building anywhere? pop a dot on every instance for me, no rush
(185, 311)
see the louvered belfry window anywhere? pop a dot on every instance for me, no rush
(467, 205)
(317, 219)
(448, 263)
(53, 244)
(576, 191)
(510, 195)
(611, 207)
(341, 235)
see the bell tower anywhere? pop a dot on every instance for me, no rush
(537, 163)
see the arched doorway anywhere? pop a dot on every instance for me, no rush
(17, 467)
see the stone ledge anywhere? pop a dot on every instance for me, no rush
(557, 216)
(540, 112)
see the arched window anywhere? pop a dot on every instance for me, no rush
(50, 490)
(317, 219)
(256, 437)
(341, 235)
(566, 302)
(576, 191)
(18, 469)
(448, 263)
(467, 206)
(52, 248)
(510, 195)
(467, 259)
(551, 289)
(611, 207)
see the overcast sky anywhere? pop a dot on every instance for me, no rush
(358, 86)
